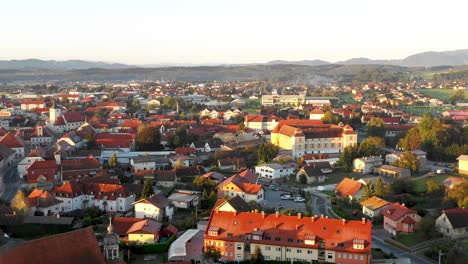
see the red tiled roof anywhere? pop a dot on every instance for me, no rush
(348, 187)
(123, 224)
(72, 117)
(290, 230)
(396, 211)
(42, 199)
(74, 247)
(147, 226)
(11, 140)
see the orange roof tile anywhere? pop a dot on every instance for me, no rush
(348, 187)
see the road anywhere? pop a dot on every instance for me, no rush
(10, 183)
(379, 243)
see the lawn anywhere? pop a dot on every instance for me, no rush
(419, 110)
(410, 240)
(441, 94)
(420, 185)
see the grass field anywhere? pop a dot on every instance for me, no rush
(410, 240)
(441, 94)
(420, 185)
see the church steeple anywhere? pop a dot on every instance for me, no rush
(111, 244)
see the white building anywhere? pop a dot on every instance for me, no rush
(184, 199)
(275, 170)
(157, 207)
(60, 122)
(261, 122)
(366, 165)
(34, 155)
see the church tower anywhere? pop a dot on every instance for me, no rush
(111, 244)
(54, 112)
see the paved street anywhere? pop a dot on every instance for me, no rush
(378, 242)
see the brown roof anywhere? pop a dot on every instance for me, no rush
(374, 203)
(458, 217)
(122, 224)
(148, 226)
(157, 200)
(348, 187)
(75, 247)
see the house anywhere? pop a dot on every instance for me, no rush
(453, 223)
(156, 206)
(143, 163)
(399, 218)
(70, 141)
(44, 202)
(14, 142)
(421, 156)
(146, 231)
(312, 136)
(463, 164)
(79, 194)
(275, 170)
(29, 105)
(240, 185)
(184, 199)
(366, 165)
(261, 122)
(74, 247)
(233, 204)
(316, 114)
(288, 238)
(165, 178)
(451, 182)
(373, 206)
(231, 164)
(59, 122)
(123, 224)
(393, 171)
(42, 136)
(7, 156)
(349, 189)
(314, 171)
(187, 247)
(214, 176)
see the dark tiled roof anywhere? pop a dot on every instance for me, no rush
(458, 217)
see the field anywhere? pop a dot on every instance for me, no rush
(419, 110)
(420, 185)
(441, 94)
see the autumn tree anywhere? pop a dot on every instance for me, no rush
(179, 164)
(148, 138)
(113, 161)
(411, 141)
(257, 256)
(19, 203)
(432, 186)
(459, 194)
(375, 127)
(212, 253)
(267, 152)
(147, 189)
(371, 146)
(408, 160)
(204, 183)
(330, 118)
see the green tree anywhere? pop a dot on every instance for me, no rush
(367, 191)
(371, 146)
(113, 161)
(330, 118)
(19, 203)
(375, 127)
(379, 187)
(147, 189)
(408, 160)
(257, 256)
(204, 183)
(459, 194)
(267, 152)
(412, 140)
(212, 253)
(345, 160)
(303, 179)
(148, 138)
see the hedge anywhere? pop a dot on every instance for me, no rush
(150, 248)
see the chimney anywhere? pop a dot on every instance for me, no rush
(343, 221)
(256, 211)
(263, 214)
(276, 214)
(313, 218)
(363, 220)
(297, 227)
(403, 204)
(299, 215)
(217, 210)
(58, 157)
(321, 216)
(235, 213)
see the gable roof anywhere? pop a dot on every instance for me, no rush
(158, 200)
(236, 202)
(11, 140)
(74, 247)
(397, 211)
(123, 224)
(458, 217)
(42, 199)
(348, 187)
(374, 203)
(145, 226)
(242, 183)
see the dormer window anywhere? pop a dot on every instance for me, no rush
(213, 231)
(358, 244)
(309, 239)
(257, 235)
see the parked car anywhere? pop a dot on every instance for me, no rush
(299, 199)
(440, 171)
(285, 197)
(273, 188)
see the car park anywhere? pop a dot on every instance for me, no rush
(299, 199)
(285, 197)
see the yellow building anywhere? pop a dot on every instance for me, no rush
(144, 232)
(463, 164)
(312, 136)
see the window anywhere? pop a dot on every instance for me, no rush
(355, 256)
(310, 252)
(361, 257)
(239, 247)
(288, 250)
(290, 240)
(299, 251)
(339, 255)
(267, 248)
(277, 238)
(330, 255)
(341, 244)
(278, 249)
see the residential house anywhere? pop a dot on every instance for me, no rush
(165, 178)
(60, 122)
(233, 204)
(214, 176)
(453, 223)
(393, 171)
(399, 218)
(29, 105)
(349, 189)
(239, 185)
(373, 206)
(463, 164)
(7, 156)
(261, 122)
(143, 163)
(275, 170)
(146, 231)
(421, 156)
(156, 206)
(184, 199)
(14, 142)
(42, 136)
(232, 164)
(78, 194)
(123, 224)
(314, 172)
(451, 182)
(316, 114)
(237, 235)
(366, 165)
(44, 202)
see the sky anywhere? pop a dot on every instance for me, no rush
(221, 31)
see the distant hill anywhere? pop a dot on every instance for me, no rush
(58, 65)
(302, 62)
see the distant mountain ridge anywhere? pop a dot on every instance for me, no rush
(424, 59)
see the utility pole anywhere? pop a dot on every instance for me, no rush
(440, 255)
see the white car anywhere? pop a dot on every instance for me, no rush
(285, 197)
(299, 199)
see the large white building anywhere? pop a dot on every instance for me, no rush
(76, 194)
(312, 136)
(261, 122)
(60, 122)
(275, 170)
(293, 99)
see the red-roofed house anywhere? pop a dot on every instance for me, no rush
(35, 154)
(14, 142)
(241, 186)
(29, 105)
(60, 122)
(42, 136)
(261, 122)
(43, 201)
(288, 238)
(349, 189)
(144, 231)
(124, 141)
(399, 218)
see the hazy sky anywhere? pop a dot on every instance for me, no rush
(236, 31)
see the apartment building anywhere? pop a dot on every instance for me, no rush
(288, 238)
